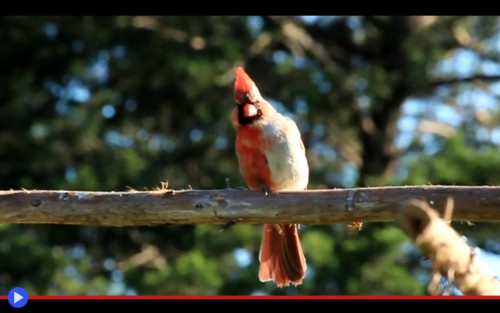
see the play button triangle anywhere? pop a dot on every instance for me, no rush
(17, 297)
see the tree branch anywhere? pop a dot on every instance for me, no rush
(450, 254)
(473, 203)
(456, 80)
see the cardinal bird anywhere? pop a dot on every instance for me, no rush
(271, 158)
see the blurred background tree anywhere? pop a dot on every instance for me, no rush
(108, 103)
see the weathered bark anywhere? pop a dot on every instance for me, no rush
(240, 206)
(450, 254)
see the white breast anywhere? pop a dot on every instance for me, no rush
(286, 158)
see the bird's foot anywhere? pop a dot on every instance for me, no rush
(356, 225)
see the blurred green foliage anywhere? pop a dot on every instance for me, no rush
(108, 103)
